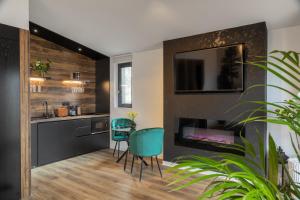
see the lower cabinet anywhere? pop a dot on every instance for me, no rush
(34, 141)
(86, 144)
(65, 139)
(55, 141)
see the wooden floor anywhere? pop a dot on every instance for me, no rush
(97, 176)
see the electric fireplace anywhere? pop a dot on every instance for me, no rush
(211, 135)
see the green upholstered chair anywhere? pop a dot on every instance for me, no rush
(146, 143)
(119, 136)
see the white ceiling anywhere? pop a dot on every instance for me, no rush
(122, 26)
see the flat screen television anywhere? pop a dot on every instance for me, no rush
(210, 70)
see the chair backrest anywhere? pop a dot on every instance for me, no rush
(120, 123)
(147, 142)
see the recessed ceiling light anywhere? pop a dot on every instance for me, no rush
(79, 49)
(35, 30)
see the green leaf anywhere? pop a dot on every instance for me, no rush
(296, 149)
(222, 186)
(254, 194)
(287, 55)
(273, 162)
(285, 64)
(280, 76)
(197, 180)
(273, 86)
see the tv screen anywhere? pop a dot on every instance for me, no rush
(210, 70)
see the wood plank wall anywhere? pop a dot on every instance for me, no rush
(64, 63)
(25, 116)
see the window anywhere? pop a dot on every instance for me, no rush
(124, 85)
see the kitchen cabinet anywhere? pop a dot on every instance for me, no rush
(34, 142)
(65, 139)
(82, 127)
(90, 143)
(55, 141)
(90, 135)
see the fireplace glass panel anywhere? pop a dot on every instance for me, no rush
(208, 135)
(212, 135)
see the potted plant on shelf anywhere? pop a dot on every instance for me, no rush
(233, 176)
(41, 67)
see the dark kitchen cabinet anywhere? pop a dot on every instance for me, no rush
(55, 141)
(64, 139)
(94, 134)
(34, 142)
(82, 127)
(90, 143)
(10, 156)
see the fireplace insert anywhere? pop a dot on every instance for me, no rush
(211, 135)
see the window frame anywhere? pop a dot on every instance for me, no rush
(119, 89)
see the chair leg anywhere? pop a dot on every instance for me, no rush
(119, 149)
(133, 156)
(125, 164)
(152, 163)
(158, 166)
(141, 170)
(115, 149)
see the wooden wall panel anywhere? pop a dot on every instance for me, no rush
(25, 116)
(64, 63)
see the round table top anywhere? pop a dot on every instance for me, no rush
(122, 129)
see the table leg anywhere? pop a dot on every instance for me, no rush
(143, 160)
(125, 152)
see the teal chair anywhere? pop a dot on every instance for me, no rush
(120, 136)
(146, 143)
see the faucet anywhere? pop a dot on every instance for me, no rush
(46, 113)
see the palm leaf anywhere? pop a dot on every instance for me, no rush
(222, 186)
(273, 162)
(280, 76)
(196, 180)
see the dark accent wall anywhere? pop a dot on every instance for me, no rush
(10, 152)
(103, 86)
(213, 105)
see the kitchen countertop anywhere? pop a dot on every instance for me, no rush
(53, 119)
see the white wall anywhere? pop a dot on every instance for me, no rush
(147, 88)
(282, 39)
(15, 13)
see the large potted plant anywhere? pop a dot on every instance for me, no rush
(237, 177)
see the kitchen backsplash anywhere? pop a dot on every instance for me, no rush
(63, 63)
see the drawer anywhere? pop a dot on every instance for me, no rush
(83, 131)
(82, 122)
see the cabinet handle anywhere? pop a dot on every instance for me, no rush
(99, 132)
